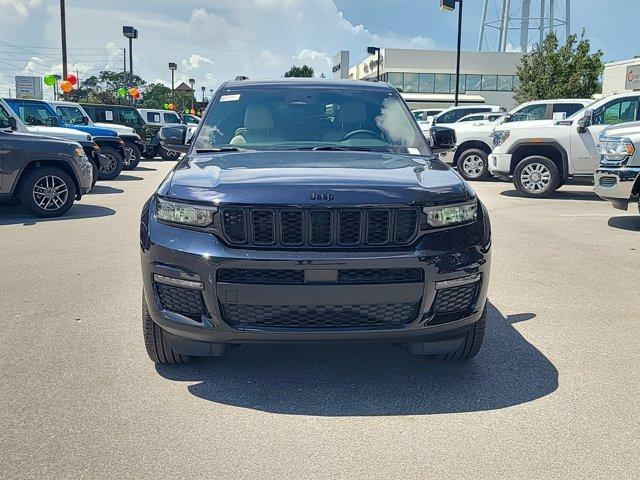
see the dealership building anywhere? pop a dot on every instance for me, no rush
(426, 78)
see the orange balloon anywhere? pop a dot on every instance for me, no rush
(66, 86)
(133, 91)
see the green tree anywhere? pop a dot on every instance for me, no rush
(555, 71)
(156, 95)
(303, 71)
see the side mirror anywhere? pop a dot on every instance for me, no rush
(55, 122)
(85, 120)
(13, 124)
(432, 119)
(443, 139)
(585, 121)
(508, 118)
(174, 138)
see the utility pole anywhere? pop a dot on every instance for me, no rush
(173, 67)
(130, 33)
(63, 29)
(204, 89)
(458, 55)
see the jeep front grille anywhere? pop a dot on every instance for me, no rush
(319, 227)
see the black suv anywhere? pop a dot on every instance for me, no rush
(44, 174)
(312, 211)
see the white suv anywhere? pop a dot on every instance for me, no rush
(475, 142)
(541, 155)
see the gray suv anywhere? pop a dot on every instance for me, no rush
(44, 174)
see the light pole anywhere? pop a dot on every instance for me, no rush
(374, 51)
(192, 82)
(63, 32)
(173, 67)
(204, 89)
(130, 33)
(450, 5)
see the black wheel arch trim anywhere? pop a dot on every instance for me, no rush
(545, 142)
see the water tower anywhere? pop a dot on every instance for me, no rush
(516, 25)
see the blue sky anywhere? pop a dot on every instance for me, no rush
(213, 40)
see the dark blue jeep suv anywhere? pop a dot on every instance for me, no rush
(312, 211)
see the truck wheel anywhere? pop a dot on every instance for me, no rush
(169, 155)
(158, 347)
(132, 156)
(94, 172)
(150, 152)
(48, 192)
(110, 163)
(536, 177)
(473, 164)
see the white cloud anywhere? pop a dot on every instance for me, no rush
(195, 61)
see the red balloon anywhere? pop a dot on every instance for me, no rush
(72, 79)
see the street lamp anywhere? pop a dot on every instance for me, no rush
(173, 67)
(130, 33)
(192, 82)
(374, 51)
(450, 5)
(204, 89)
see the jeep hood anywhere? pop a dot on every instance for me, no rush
(59, 132)
(119, 129)
(530, 124)
(290, 177)
(96, 131)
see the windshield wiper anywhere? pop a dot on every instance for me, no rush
(221, 149)
(332, 148)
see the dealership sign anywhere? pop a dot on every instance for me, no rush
(340, 68)
(29, 87)
(633, 78)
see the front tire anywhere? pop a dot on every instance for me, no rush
(156, 343)
(110, 164)
(169, 155)
(473, 164)
(536, 177)
(132, 154)
(150, 152)
(472, 343)
(48, 192)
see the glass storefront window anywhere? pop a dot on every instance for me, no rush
(474, 82)
(427, 83)
(411, 82)
(505, 83)
(443, 83)
(396, 80)
(489, 82)
(463, 88)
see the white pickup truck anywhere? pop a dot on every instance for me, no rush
(475, 141)
(541, 156)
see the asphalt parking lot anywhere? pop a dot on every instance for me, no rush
(553, 394)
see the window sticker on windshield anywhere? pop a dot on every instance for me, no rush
(108, 115)
(230, 98)
(413, 151)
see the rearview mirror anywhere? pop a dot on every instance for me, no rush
(13, 124)
(585, 121)
(442, 139)
(174, 138)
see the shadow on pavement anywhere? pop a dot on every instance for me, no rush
(628, 222)
(559, 195)
(125, 177)
(20, 215)
(104, 190)
(373, 379)
(145, 169)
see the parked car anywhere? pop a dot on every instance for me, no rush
(158, 118)
(329, 219)
(422, 114)
(129, 116)
(38, 113)
(189, 119)
(541, 155)
(44, 174)
(73, 114)
(453, 114)
(475, 141)
(617, 178)
(91, 149)
(481, 118)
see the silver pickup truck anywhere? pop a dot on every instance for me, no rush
(617, 178)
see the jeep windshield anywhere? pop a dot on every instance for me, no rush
(70, 114)
(310, 118)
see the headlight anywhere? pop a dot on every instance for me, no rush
(184, 213)
(120, 141)
(79, 157)
(615, 149)
(451, 214)
(79, 151)
(89, 138)
(500, 136)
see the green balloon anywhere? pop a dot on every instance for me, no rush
(122, 92)
(166, 106)
(49, 80)
(186, 110)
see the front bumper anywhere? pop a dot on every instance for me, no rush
(500, 165)
(178, 253)
(615, 184)
(135, 140)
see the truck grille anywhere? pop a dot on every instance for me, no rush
(319, 316)
(184, 301)
(327, 227)
(344, 276)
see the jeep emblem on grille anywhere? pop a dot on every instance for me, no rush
(321, 196)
